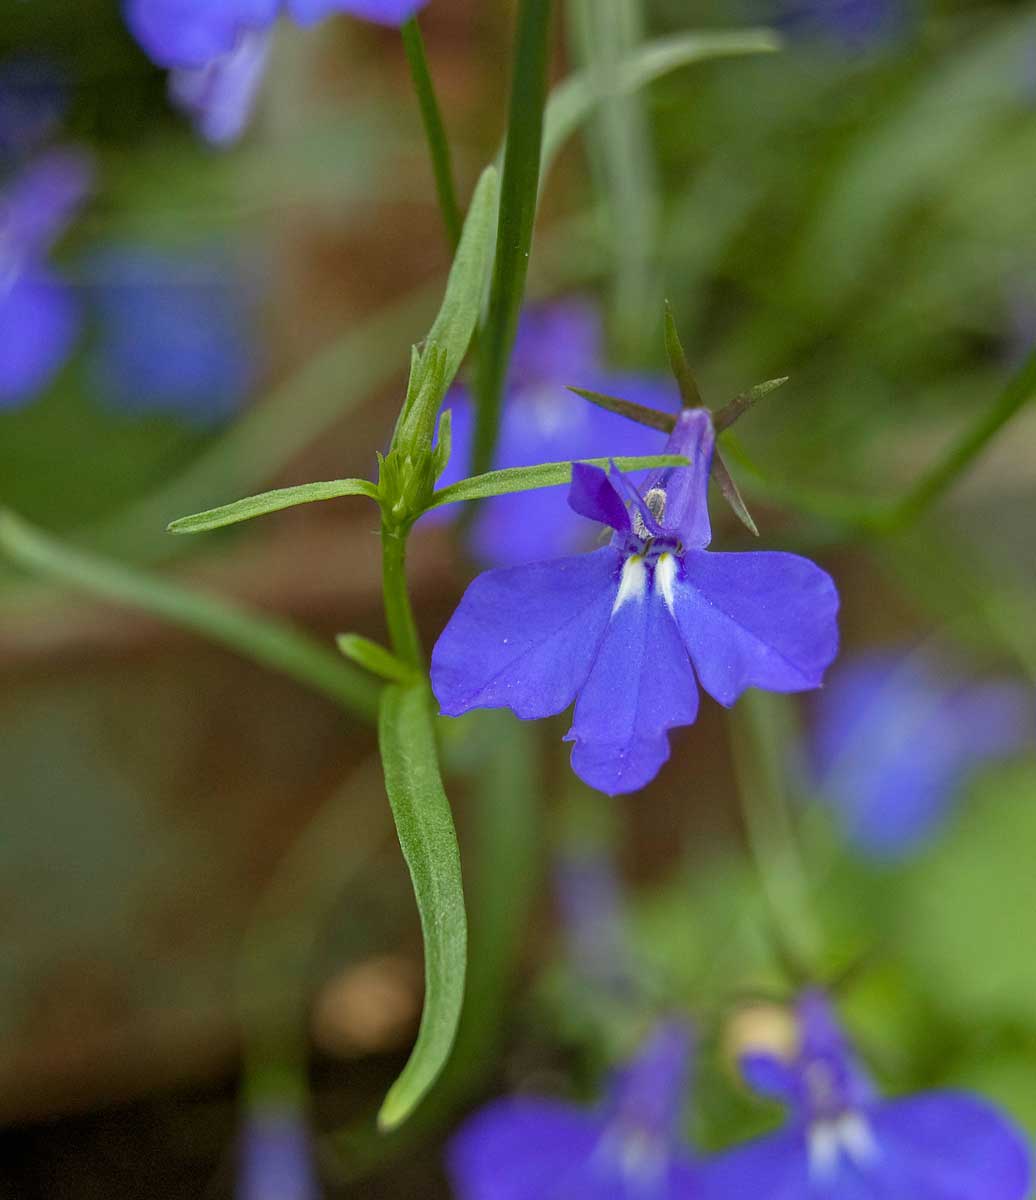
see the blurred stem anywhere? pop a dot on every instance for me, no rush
(266, 640)
(438, 144)
(519, 189)
(939, 477)
(757, 743)
(399, 614)
(279, 946)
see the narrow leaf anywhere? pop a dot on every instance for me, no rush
(724, 417)
(572, 101)
(685, 381)
(268, 502)
(266, 640)
(377, 659)
(653, 418)
(527, 479)
(429, 843)
(459, 313)
(729, 489)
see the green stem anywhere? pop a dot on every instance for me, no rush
(519, 189)
(770, 832)
(435, 132)
(399, 615)
(938, 478)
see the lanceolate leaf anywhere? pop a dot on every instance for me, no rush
(268, 502)
(526, 479)
(429, 843)
(375, 658)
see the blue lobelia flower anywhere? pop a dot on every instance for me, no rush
(173, 333)
(275, 1157)
(895, 739)
(628, 1149)
(613, 629)
(39, 316)
(217, 49)
(557, 344)
(844, 1142)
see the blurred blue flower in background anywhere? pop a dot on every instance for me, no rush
(855, 24)
(219, 97)
(895, 739)
(39, 314)
(617, 630)
(33, 99)
(218, 49)
(173, 333)
(275, 1157)
(530, 1149)
(557, 344)
(844, 1142)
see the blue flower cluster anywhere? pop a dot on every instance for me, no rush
(842, 1140)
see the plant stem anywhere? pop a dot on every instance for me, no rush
(435, 132)
(519, 190)
(399, 615)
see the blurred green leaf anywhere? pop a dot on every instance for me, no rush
(266, 640)
(429, 843)
(269, 502)
(526, 479)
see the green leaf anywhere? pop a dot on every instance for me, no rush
(268, 502)
(375, 658)
(450, 335)
(572, 101)
(266, 640)
(429, 843)
(518, 198)
(527, 479)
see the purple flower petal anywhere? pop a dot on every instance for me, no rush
(220, 96)
(895, 740)
(760, 619)
(39, 323)
(592, 495)
(687, 488)
(525, 1150)
(640, 687)
(192, 33)
(40, 203)
(767, 1168)
(525, 637)
(276, 1158)
(384, 12)
(947, 1146)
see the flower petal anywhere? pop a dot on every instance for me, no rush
(767, 1168)
(42, 200)
(39, 322)
(947, 1146)
(641, 686)
(220, 96)
(191, 33)
(385, 12)
(592, 495)
(687, 488)
(524, 1150)
(526, 637)
(760, 619)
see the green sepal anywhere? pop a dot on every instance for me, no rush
(268, 502)
(690, 396)
(653, 418)
(732, 496)
(377, 659)
(724, 417)
(543, 475)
